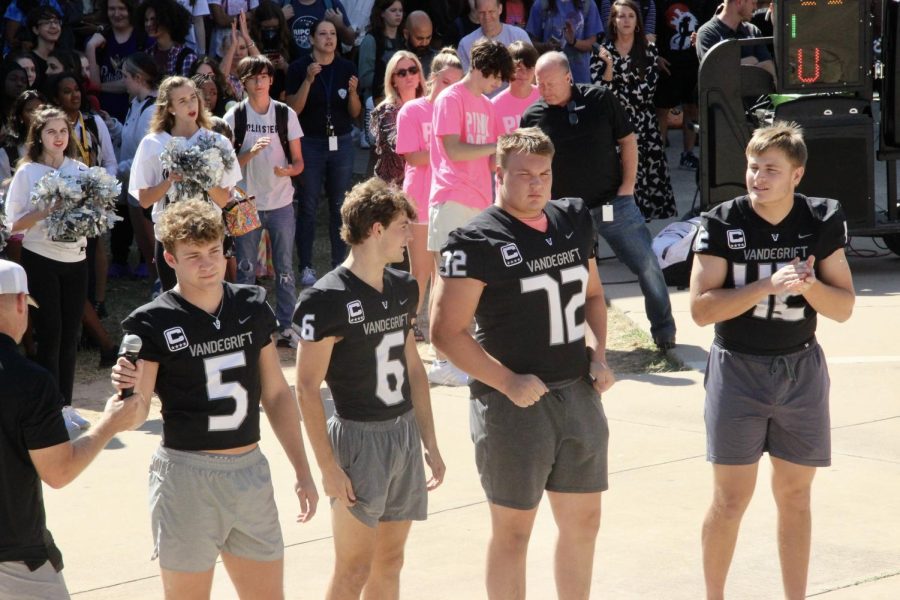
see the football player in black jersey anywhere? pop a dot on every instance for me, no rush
(765, 265)
(208, 354)
(524, 269)
(355, 326)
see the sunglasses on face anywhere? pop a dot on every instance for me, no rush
(413, 70)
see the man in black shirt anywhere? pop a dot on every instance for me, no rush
(733, 23)
(210, 358)
(765, 265)
(596, 160)
(35, 447)
(524, 268)
(355, 326)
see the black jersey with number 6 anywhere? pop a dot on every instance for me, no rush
(367, 374)
(754, 249)
(531, 313)
(208, 380)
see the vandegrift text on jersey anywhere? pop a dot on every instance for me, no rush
(554, 260)
(232, 342)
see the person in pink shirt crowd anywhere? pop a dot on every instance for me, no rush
(521, 93)
(413, 139)
(462, 143)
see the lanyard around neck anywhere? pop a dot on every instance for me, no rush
(84, 143)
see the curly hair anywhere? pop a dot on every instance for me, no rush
(170, 15)
(190, 222)
(162, 119)
(369, 202)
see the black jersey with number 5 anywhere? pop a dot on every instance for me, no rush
(367, 373)
(531, 313)
(754, 249)
(208, 380)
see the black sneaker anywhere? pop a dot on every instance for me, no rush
(664, 344)
(689, 162)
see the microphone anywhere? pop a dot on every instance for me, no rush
(130, 349)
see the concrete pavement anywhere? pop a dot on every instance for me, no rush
(660, 485)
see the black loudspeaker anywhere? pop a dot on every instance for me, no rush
(890, 86)
(840, 146)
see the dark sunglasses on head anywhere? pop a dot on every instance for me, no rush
(573, 117)
(413, 70)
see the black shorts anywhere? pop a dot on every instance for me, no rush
(775, 404)
(676, 89)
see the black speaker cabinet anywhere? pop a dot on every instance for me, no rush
(890, 86)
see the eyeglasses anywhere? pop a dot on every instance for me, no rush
(573, 117)
(56, 22)
(413, 70)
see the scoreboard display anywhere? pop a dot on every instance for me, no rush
(822, 45)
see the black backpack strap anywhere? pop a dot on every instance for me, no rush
(240, 125)
(281, 126)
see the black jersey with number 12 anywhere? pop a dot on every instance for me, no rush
(208, 380)
(754, 249)
(531, 313)
(367, 373)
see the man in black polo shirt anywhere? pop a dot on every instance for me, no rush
(35, 447)
(596, 160)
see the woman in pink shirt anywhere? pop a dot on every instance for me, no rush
(413, 138)
(521, 93)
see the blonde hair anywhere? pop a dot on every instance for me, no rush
(447, 58)
(528, 140)
(781, 135)
(391, 96)
(369, 202)
(191, 222)
(163, 120)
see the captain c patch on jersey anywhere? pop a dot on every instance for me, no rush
(175, 339)
(355, 312)
(736, 239)
(511, 255)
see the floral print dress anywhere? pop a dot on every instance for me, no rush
(389, 165)
(634, 91)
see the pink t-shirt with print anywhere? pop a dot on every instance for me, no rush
(508, 109)
(414, 135)
(468, 182)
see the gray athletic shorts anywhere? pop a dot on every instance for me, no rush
(20, 583)
(774, 404)
(202, 504)
(558, 444)
(383, 460)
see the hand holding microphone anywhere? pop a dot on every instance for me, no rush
(125, 375)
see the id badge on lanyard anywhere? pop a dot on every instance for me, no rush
(329, 126)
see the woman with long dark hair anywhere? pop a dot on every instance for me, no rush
(626, 63)
(180, 112)
(57, 269)
(322, 90)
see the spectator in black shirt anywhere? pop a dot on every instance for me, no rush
(734, 23)
(35, 447)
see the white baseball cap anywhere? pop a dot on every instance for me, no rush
(14, 281)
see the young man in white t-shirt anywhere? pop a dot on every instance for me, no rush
(462, 142)
(267, 173)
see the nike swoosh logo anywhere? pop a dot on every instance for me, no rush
(570, 234)
(801, 237)
(244, 320)
(402, 302)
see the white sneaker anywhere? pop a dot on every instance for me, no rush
(287, 338)
(76, 419)
(308, 277)
(444, 372)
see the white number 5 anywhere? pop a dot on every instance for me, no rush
(216, 390)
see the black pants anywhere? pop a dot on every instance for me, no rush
(121, 236)
(165, 272)
(60, 289)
